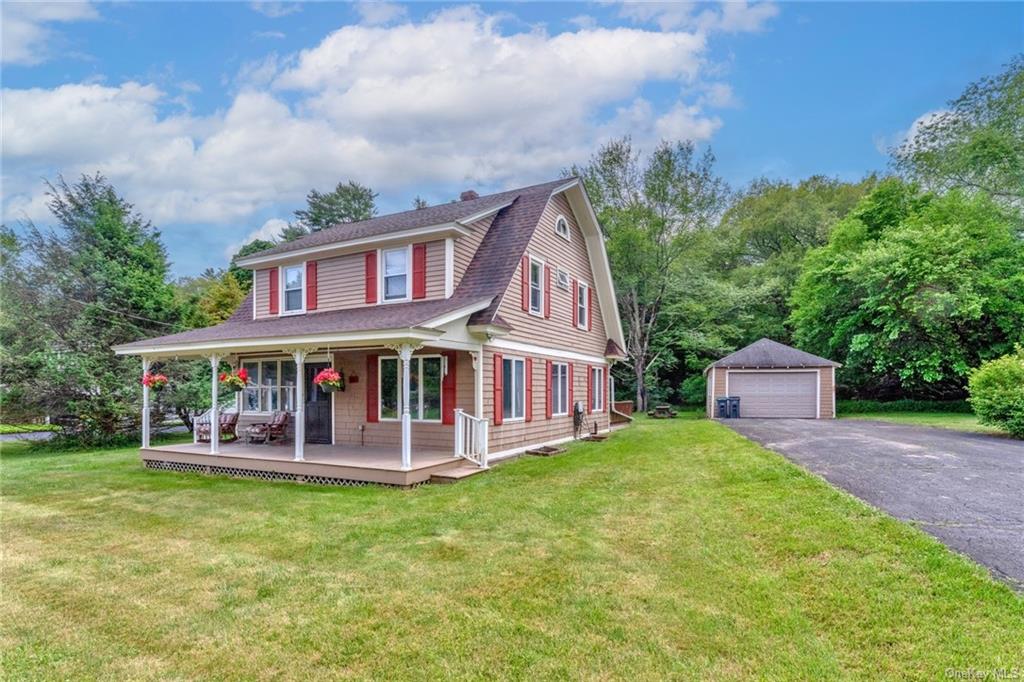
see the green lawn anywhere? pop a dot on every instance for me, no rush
(675, 549)
(25, 428)
(947, 420)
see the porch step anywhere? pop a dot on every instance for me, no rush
(456, 474)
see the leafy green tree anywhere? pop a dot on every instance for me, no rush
(997, 392)
(913, 291)
(419, 202)
(242, 275)
(652, 213)
(978, 143)
(98, 280)
(349, 202)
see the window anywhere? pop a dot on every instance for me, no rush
(513, 373)
(425, 375)
(562, 278)
(536, 286)
(271, 386)
(562, 227)
(293, 294)
(396, 274)
(559, 389)
(596, 389)
(582, 305)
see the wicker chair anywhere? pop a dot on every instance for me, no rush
(228, 421)
(276, 428)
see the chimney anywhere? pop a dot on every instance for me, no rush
(468, 194)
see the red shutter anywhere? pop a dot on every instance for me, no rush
(372, 400)
(419, 270)
(528, 389)
(371, 276)
(272, 273)
(448, 389)
(590, 389)
(547, 291)
(526, 284)
(498, 393)
(547, 391)
(575, 298)
(311, 285)
(568, 382)
(590, 308)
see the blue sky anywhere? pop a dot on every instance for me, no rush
(215, 119)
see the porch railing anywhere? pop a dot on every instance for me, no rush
(471, 438)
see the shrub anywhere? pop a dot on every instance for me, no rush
(693, 391)
(866, 406)
(997, 392)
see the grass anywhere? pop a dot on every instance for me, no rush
(945, 420)
(26, 428)
(675, 549)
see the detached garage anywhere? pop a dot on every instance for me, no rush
(773, 380)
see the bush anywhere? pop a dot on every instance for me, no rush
(693, 391)
(997, 392)
(866, 406)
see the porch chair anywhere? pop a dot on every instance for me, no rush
(227, 422)
(277, 428)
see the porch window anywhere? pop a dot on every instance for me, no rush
(271, 386)
(425, 376)
(536, 287)
(596, 389)
(514, 388)
(293, 289)
(559, 389)
(396, 271)
(582, 305)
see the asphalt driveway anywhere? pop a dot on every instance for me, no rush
(965, 489)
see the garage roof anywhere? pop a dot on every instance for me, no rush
(768, 354)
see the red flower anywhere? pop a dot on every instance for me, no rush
(223, 376)
(243, 374)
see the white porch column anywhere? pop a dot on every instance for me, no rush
(405, 354)
(214, 407)
(300, 403)
(478, 368)
(145, 405)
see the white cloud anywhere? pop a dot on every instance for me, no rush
(451, 100)
(380, 13)
(269, 231)
(26, 35)
(719, 95)
(275, 10)
(583, 21)
(273, 35)
(730, 16)
(884, 144)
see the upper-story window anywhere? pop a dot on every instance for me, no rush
(536, 287)
(582, 305)
(396, 274)
(293, 276)
(562, 227)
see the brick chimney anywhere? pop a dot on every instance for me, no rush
(468, 194)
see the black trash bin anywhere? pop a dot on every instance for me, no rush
(722, 408)
(734, 407)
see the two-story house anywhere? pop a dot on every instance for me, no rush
(471, 330)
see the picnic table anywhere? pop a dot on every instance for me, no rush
(661, 412)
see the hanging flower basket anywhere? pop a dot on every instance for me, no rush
(329, 380)
(154, 381)
(234, 381)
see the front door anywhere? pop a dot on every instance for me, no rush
(318, 407)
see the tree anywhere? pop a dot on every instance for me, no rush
(997, 392)
(100, 279)
(651, 214)
(913, 291)
(243, 276)
(419, 202)
(977, 144)
(349, 202)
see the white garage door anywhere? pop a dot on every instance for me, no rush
(775, 394)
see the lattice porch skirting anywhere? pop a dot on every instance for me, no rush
(236, 472)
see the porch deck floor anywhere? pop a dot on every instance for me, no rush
(374, 464)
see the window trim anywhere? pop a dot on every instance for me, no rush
(380, 392)
(597, 389)
(278, 387)
(565, 393)
(568, 228)
(559, 273)
(505, 389)
(582, 293)
(540, 285)
(382, 268)
(283, 303)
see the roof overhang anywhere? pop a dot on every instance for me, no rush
(414, 335)
(808, 367)
(480, 215)
(427, 233)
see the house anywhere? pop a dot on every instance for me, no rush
(774, 380)
(466, 332)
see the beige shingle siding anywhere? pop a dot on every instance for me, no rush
(558, 331)
(827, 396)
